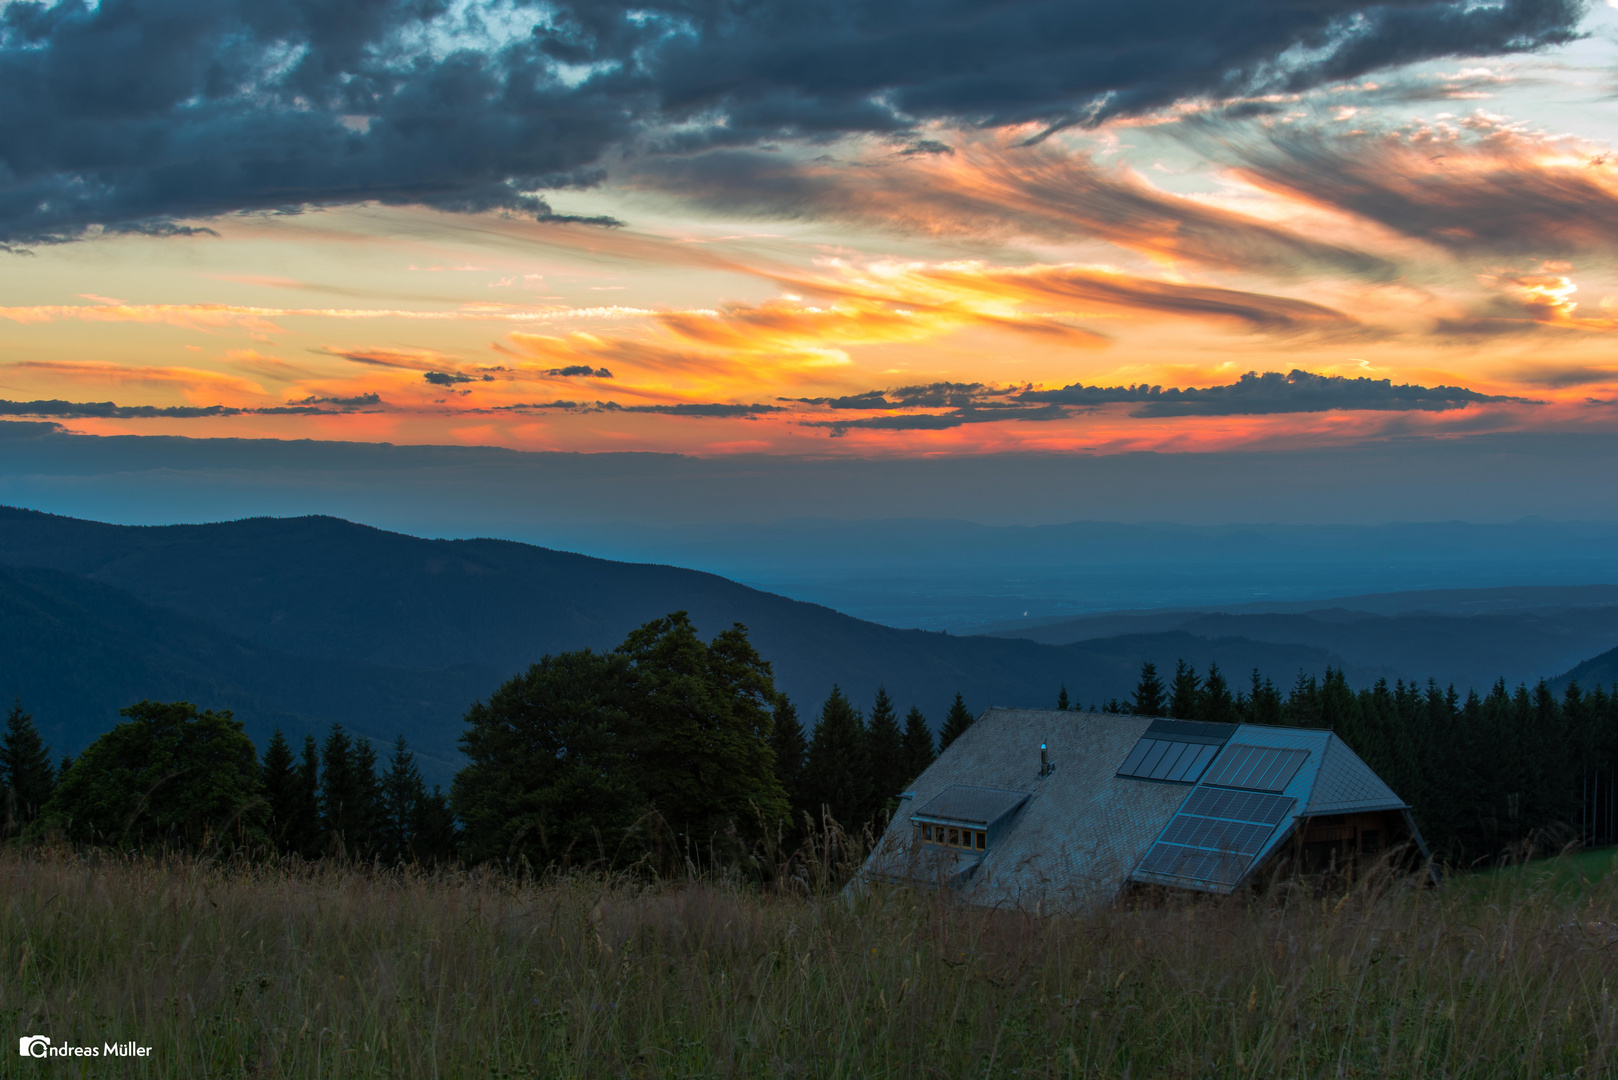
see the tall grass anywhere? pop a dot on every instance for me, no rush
(237, 970)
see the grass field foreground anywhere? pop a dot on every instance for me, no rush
(343, 972)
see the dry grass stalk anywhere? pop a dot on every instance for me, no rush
(322, 971)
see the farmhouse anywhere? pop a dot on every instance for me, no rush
(1034, 807)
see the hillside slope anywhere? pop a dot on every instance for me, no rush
(1597, 671)
(449, 619)
(75, 651)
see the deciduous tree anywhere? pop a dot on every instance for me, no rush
(168, 775)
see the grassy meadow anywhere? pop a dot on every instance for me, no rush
(240, 970)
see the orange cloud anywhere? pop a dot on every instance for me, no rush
(197, 384)
(992, 188)
(261, 320)
(984, 290)
(1475, 184)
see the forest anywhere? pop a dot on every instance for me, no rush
(669, 748)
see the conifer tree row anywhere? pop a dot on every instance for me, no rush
(1486, 775)
(669, 742)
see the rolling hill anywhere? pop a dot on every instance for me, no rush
(303, 621)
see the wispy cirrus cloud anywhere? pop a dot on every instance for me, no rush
(262, 320)
(1471, 185)
(1115, 291)
(991, 188)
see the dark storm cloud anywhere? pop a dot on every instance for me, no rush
(1272, 392)
(809, 67)
(133, 114)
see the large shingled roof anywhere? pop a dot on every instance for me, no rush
(1118, 805)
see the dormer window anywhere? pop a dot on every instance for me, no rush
(953, 836)
(965, 818)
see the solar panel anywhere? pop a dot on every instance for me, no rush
(1216, 835)
(1256, 768)
(1164, 759)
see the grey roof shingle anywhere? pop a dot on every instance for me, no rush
(1347, 785)
(1082, 829)
(1075, 837)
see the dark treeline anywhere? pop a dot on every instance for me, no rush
(665, 749)
(1488, 775)
(170, 775)
(670, 748)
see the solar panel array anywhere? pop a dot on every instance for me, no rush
(1216, 834)
(1164, 759)
(1256, 768)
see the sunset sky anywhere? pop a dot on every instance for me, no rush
(870, 230)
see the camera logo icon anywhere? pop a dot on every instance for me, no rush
(34, 1045)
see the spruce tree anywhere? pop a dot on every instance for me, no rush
(884, 749)
(1061, 699)
(346, 793)
(1264, 703)
(837, 775)
(918, 744)
(303, 827)
(791, 747)
(367, 797)
(25, 770)
(399, 809)
(1214, 703)
(435, 838)
(1148, 692)
(279, 776)
(1183, 700)
(956, 721)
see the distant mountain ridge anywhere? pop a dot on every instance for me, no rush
(305, 621)
(1537, 634)
(228, 612)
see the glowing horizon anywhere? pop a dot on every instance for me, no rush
(1421, 241)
